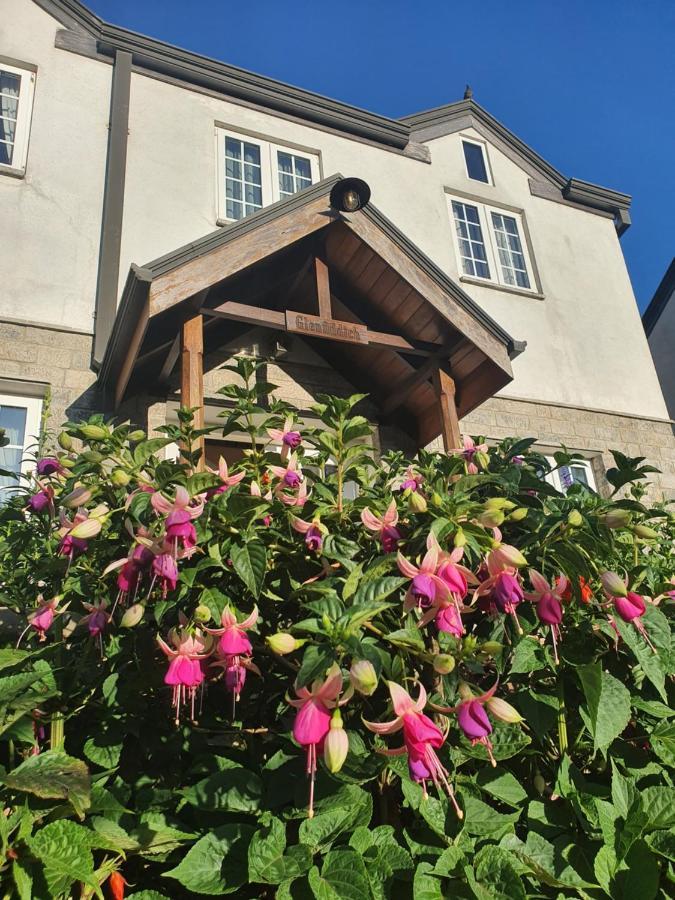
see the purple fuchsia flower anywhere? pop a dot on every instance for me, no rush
(421, 738)
(133, 567)
(313, 531)
(446, 608)
(76, 532)
(468, 452)
(502, 587)
(628, 605)
(313, 719)
(425, 587)
(227, 480)
(97, 620)
(42, 618)
(47, 466)
(42, 499)
(291, 488)
(185, 674)
(549, 600)
(287, 437)
(235, 651)
(180, 513)
(384, 526)
(165, 570)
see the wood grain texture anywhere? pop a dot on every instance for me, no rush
(192, 376)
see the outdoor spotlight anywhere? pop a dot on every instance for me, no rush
(349, 194)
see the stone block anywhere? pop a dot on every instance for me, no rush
(11, 332)
(54, 357)
(18, 351)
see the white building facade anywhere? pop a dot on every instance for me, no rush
(116, 149)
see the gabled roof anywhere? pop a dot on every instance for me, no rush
(378, 278)
(660, 300)
(91, 36)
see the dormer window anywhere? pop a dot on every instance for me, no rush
(16, 105)
(476, 162)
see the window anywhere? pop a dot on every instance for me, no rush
(253, 173)
(474, 157)
(489, 245)
(579, 472)
(16, 101)
(20, 419)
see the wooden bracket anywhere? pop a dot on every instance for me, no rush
(192, 376)
(445, 392)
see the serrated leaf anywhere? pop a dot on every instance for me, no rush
(232, 790)
(607, 703)
(63, 847)
(114, 837)
(250, 563)
(502, 785)
(659, 806)
(482, 819)
(496, 872)
(663, 843)
(651, 663)
(343, 877)
(426, 886)
(507, 741)
(542, 858)
(267, 861)
(662, 741)
(373, 592)
(53, 775)
(316, 661)
(103, 749)
(355, 808)
(217, 863)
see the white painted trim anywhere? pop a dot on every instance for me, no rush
(482, 145)
(33, 407)
(17, 167)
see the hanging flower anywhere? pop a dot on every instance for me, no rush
(384, 526)
(549, 603)
(42, 499)
(47, 466)
(628, 605)
(313, 531)
(235, 651)
(421, 738)
(470, 452)
(185, 672)
(313, 719)
(425, 587)
(180, 513)
(585, 591)
(227, 480)
(41, 619)
(165, 570)
(287, 437)
(410, 480)
(76, 532)
(502, 587)
(473, 719)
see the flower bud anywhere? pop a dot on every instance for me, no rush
(503, 711)
(119, 477)
(94, 432)
(77, 497)
(491, 648)
(613, 584)
(93, 456)
(436, 499)
(336, 745)
(282, 643)
(459, 539)
(539, 783)
(482, 459)
(65, 441)
(615, 518)
(574, 518)
(444, 663)
(363, 677)
(66, 462)
(491, 518)
(645, 532)
(499, 503)
(465, 691)
(136, 436)
(416, 502)
(202, 613)
(89, 528)
(507, 556)
(133, 615)
(469, 643)
(519, 514)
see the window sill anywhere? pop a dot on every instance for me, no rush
(12, 171)
(521, 292)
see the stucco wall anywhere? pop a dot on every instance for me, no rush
(662, 345)
(51, 218)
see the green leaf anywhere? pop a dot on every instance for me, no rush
(63, 848)
(482, 819)
(607, 703)
(502, 785)
(267, 862)
(53, 775)
(495, 871)
(343, 877)
(354, 807)
(233, 790)
(425, 885)
(507, 741)
(147, 895)
(114, 837)
(155, 834)
(659, 806)
(23, 879)
(651, 663)
(663, 843)
(217, 863)
(448, 861)
(250, 563)
(146, 449)
(10, 657)
(103, 749)
(371, 593)
(544, 860)
(315, 662)
(662, 741)
(639, 880)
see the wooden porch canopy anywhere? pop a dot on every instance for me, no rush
(351, 284)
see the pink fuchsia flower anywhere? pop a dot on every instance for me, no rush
(425, 587)
(384, 526)
(235, 650)
(48, 465)
(185, 672)
(193, 506)
(314, 532)
(287, 437)
(76, 532)
(472, 717)
(227, 480)
(42, 618)
(409, 481)
(468, 452)
(549, 600)
(42, 499)
(629, 605)
(421, 738)
(289, 475)
(313, 719)
(165, 570)
(97, 619)
(502, 587)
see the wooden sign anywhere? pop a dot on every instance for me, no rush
(331, 329)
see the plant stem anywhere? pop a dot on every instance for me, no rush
(562, 721)
(57, 736)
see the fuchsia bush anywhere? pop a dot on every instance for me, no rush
(239, 682)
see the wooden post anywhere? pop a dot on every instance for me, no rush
(322, 288)
(445, 391)
(192, 375)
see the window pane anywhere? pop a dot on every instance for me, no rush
(472, 252)
(253, 195)
(10, 83)
(511, 256)
(303, 168)
(232, 148)
(285, 163)
(13, 420)
(8, 106)
(7, 130)
(6, 151)
(475, 161)
(294, 172)
(252, 154)
(243, 178)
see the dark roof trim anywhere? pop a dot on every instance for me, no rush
(432, 123)
(659, 301)
(136, 288)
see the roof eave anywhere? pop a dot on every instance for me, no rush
(659, 301)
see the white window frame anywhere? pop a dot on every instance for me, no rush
(496, 276)
(554, 478)
(269, 167)
(33, 407)
(24, 114)
(486, 161)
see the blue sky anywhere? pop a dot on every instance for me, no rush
(590, 84)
